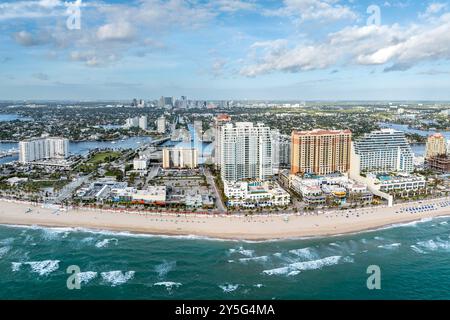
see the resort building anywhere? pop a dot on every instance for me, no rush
(320, 151)
(48, 148)
(245, 152)
(436, 146)
(316, 190)
(180, 158)
(397, 183)
(383, 151)
(255, 194)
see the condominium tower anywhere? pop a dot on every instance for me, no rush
(219, 122)
(43, 149)
(245, 152)
(436, 146)
(383, 151)
(320, 151)
(180, 158)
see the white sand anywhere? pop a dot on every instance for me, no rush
(224, 227)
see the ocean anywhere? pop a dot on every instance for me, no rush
(413, 259)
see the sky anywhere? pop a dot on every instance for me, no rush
(225, 49)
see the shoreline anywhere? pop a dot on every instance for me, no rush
(221, 227)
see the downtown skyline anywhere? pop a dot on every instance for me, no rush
(227, 49)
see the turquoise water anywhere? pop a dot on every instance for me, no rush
(414, 260)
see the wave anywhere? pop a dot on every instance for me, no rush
(117, 278)
(4, 251)
(434, 245)
(242, 251)
(256, 259)
(105, 243)
(87, 276)
(15, 266)
(164, 268)
(418, 250)
(390, 246)
(297, 267)
(43, 268)
(7, 241)
(227, 288)
(305, 253)
(168, 284)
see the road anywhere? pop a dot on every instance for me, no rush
(68, 190)
(210, 179)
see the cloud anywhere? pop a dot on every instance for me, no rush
(31, 9)
(400, 48)
(41, 76)
(234, 5)
(322, 10)
(119, 31)
(27, 39)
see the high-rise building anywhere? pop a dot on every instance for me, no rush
(219, 121)
(275, 140)
(245, 152)
(143, 123)
(180, 158)
(132, 122)
(43, 149)
(320, 151)
(384, 151)
(161, 124)
(436, 146)
(285, 150)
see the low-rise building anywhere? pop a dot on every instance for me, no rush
(392, 183)
(140, 164)
(256, 194)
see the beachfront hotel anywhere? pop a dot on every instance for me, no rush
(245, 152)
(384, 151)
(320, 151)
(436, 146)
(180, 158)
(49, 148)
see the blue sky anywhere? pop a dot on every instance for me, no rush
(226, 49)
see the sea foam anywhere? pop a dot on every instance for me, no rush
(43, 268)
(227, 288)
(297, 267)
(86, 277)
(117, 278)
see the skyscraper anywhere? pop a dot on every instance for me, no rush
(245, 152)
(436, 146)
(180, 158)
(384, 151)
(143, 123)
(220, 121)
(43, 149)
(275, 140)
(320, 151)
(161, 124)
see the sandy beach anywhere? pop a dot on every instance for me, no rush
(224, 227)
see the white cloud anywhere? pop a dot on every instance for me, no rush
(119, 31)
(304, 10)
(396, 47)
